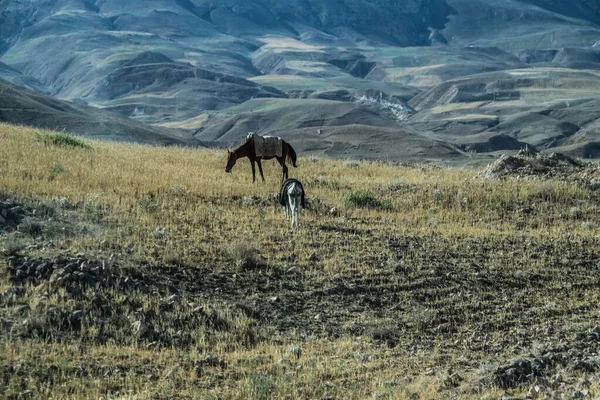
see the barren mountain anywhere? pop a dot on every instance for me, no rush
(26, 107)
(479, 75)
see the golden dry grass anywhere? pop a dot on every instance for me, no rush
(365, 294)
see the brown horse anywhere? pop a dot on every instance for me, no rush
(247, 150)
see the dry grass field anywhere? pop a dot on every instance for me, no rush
(132, 271)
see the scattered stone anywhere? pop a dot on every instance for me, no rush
(59, 271)
(430, 372)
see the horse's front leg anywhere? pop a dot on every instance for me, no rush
(283, 167)
(253, 171)
(260, 169)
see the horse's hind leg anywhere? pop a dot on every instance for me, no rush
(292, 205)
(296, 210)
(260, 169)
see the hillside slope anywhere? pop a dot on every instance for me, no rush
(26, 107)
(188, 62)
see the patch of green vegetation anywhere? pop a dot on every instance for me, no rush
(62, 139)
(365, 199)
(55, 170)
(12, 246)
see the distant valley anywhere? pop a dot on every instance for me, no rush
(453, 81)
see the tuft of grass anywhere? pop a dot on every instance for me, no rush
(55, 170)
(31, 226)
(13, 246)
(62, 139)
(364, 199)
(243, 253)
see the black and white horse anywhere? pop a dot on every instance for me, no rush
(291, 196)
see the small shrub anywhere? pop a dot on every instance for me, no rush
(161, 233)
(179, 188)
(13, 247)
(45, 210)
(423, 318)
(364, 199)
(295, 350)
(588, 225)
(62, 139)
(386, 333)
(149, 205)
(31, 227)
(55, 170)
(576, 212)
(173, 257)
(92, 203)
(243, 253)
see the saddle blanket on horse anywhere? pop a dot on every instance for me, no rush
(267, 146)
(284, 188)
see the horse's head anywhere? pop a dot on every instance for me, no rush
(231, 159)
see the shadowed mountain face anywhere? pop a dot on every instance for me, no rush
(474, 75)
(21, 106)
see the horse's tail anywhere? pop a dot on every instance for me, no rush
(292, 155)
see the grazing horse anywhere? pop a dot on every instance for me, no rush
(291, 196)
(248, 150)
